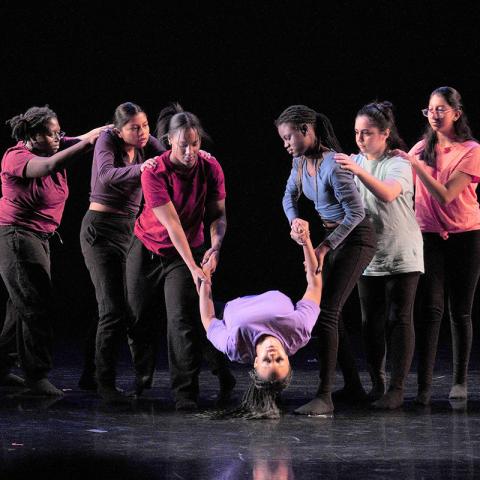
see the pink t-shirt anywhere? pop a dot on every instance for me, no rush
(34, 203)
(189, 191)
(463, 213)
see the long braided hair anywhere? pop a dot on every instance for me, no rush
(326, 140)
(260, 399)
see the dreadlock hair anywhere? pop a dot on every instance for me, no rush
(382, 117)
(124, 113)
(26, 125)
(326, 140)
(174, 118)
(462, 129)
(260, 399)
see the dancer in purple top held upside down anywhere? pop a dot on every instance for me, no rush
(264, 330)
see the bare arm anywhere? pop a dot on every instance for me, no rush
(216, 212)
(314, 278)
(444, 194)
(167, 215)
(385, 190)
(42, 166)
(207, 310)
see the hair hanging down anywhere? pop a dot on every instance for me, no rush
(326, 139)
(381, 115)
(300, 114)
(462, 129)
(35, 120)
(173, 118)
(260, 399)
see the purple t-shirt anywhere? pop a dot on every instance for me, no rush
(116, 182)
(34, 203)
(246, 319)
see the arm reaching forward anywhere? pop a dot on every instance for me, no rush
(207, 310)
(314, 276)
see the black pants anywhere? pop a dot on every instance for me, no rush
(148, 277)
(387, 317)
(343, 267)
(105, 239)
(453, 264)
(27, 331)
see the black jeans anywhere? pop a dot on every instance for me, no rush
(148, 276)
(453, 264)
(27, 331)
(387, 316)
(105, 239)
(342, 268)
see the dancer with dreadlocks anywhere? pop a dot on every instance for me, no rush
(347, 247)
(264, 329)
(35, 190)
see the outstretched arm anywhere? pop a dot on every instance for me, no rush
(386, 190)
(314, 276)
(207, 310)
(168, 217)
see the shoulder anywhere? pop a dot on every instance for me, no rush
(107, 140)
(209, 161)
(108, 136)
(470, 146)
(395, 161)
(161, 171)
(18, 152)
(417, 148)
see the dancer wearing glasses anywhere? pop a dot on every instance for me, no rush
(34, 187)
(446, 163)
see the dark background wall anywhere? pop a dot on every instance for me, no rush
(237, 65)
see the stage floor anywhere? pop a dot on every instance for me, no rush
(79, 436)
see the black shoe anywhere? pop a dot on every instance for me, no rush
(186, 405)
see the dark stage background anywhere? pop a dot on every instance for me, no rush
(237, 65)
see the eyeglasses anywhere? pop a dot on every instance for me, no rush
(439, 112)
(55, 135)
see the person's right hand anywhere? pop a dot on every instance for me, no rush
(92, 135)
(320, 252)
(299, 231)
(199, 276)
(149, 163)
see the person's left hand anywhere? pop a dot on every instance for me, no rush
(149, 163)
(210, 260)
(346, 163)
(205, 154)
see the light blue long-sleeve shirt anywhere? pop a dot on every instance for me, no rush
(335, 197)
